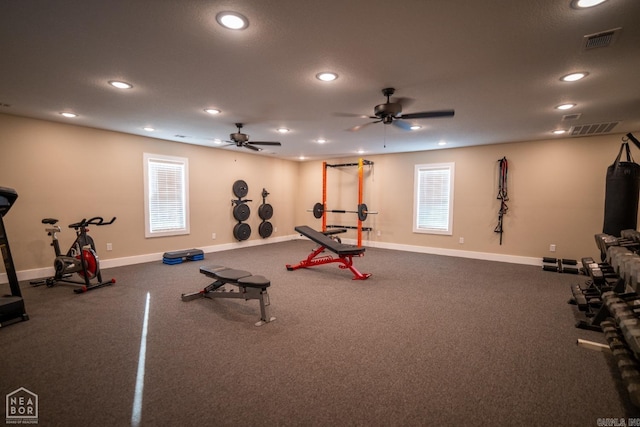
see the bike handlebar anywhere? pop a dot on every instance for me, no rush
(96, 220)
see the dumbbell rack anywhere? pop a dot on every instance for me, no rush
(612, 298)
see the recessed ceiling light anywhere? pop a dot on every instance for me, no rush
(565, 106)
(442, 143)
(212, 110)
(217, 141)
(582, 4)
(326, 76)
(301, 158)
(232, 20)
(559, 131)
(415, 127)
(360, 151)
(283, 130)
(148, 128)
(321, 140)
(120, 85)
(574, 76)
(68, 114)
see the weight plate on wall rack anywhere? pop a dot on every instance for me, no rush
(241, 211)
(265, 229)
(240, 188)
(265, 211)
(241, 231)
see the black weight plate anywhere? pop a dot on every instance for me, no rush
(241, 211)
(362, 212)
(240, 188)
(318, 210)
(265, 229)
(241, 231)
(265, 211)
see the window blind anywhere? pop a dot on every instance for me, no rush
(433, 198)
(167, 192)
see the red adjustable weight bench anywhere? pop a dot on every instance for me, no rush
(345, 253)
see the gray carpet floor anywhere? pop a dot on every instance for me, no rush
(426, 340)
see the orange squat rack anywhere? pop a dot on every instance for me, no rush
(361, 164)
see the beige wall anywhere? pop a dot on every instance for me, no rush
(70, 172)
(556, 190)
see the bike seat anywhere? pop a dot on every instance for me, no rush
(51, 221)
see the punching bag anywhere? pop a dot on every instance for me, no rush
(621, 194)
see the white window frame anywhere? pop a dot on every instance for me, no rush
(178, 196)
(441, 222)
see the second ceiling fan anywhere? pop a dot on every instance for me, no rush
(391, 113)
(242, 140)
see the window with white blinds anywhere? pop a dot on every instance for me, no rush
(433, 198)
(166, 185)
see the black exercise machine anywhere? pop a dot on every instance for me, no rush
(12, 308)
(81, 258)
(345, 253)
(249, 287)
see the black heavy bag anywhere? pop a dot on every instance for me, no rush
(621, 194)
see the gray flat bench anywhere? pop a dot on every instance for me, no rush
(249, 287)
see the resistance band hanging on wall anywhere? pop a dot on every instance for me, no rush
(503, 168)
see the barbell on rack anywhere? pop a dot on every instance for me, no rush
(318, 210)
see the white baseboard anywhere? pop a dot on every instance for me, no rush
(139, 259)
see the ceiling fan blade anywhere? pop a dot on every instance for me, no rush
(349, 115)
(402, 124)
(251, 147)
(428, 114)
(357, 128)
(264, 143)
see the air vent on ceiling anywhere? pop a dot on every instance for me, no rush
(571, 116)
(180, 136)
(603, 39)
(593, 129)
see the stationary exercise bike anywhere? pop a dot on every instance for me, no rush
(81, 258)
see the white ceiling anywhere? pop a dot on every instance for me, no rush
(498, 63)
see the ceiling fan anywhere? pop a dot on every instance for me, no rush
(242, 140)
(391, 113)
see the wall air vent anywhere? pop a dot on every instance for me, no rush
(603, 39)
(571, 116)
(593, 129)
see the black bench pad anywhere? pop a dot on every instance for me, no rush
(329, 243)
(254, 282)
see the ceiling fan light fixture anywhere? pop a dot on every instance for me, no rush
(327, 76)
(212, 111)
(573, 77)
(232, 20)
(583, 4)
(565, 106)
(120, 84)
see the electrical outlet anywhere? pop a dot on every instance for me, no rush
(275, 229)
(213, 236)
(109, 246)
(461, 241)
(378, 233)
(552, 248)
